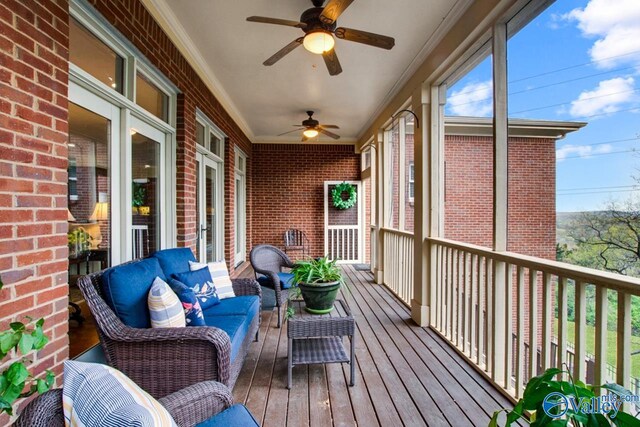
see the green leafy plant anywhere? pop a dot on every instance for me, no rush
(338, 201)
(139, 195)
(312, 272)
(567, 403)
(79, 241)
(24, 338)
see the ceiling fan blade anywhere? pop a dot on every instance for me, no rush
(304, 138)
(333, 10)
(329, 126)
(331, 60)
(286, 22)
(358, 36)
(282, 52)
(326, 132)
(295, 130)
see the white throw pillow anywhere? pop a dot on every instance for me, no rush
(165, 309)
(220, 276)
(99, 395)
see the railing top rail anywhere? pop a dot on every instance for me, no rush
(397, 232)
(588, 275)
(343, 227)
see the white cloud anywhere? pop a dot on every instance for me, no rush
(606, 98)
(583, 151)
(615, 25)
(473, 100)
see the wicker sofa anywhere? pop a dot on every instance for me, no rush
(165, 360)
(209, 403)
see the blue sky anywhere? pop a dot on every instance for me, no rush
(578, 61)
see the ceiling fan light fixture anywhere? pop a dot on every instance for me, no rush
(310, 133)
(318, 42)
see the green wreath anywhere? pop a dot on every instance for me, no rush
(341, 203)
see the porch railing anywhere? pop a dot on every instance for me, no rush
(493, 307)
(398, 263)
(343, 243)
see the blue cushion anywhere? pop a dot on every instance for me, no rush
(286, 280)
(247, 305)
(126, 287)
(234, 416)
(175, 260)
(190, 304)
(202, 284)
(236, 326)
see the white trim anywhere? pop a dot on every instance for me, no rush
(240, 207)
(360, 226)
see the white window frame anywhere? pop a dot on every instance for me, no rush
(241, 208)
(133, 62)
(211, 128)
(411, 182)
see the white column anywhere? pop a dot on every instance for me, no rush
(380, 204)
(499, 316)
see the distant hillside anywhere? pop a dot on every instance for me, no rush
(564, 221)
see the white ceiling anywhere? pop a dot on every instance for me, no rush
(271, 99)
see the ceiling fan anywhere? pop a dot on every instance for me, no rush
(319, 25)
(312, 128)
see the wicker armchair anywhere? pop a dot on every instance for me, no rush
(180, 357)
(188, 407)
(268, 261)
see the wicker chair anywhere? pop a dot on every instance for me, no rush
(296, 241)
(269, 261)
(188, 407)
(179, 356)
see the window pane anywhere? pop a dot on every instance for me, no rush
(152, 99)
(146, 195)
(200, 135)
(215, 145)
(93, 56)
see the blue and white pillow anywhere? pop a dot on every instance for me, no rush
(219, 275)
(99, 395)
(202, 285)
(165, 309)
(190, 303)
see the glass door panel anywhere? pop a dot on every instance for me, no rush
(208, 207)
(210, 186)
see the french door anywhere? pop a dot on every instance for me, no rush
(209, 209)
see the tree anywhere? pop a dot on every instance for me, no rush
(610, 239)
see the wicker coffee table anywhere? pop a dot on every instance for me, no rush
(315, 338)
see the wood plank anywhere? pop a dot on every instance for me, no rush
(340, 398)
(278, 399)
(319, 410)
(243, 383)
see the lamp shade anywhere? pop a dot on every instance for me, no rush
(100, 212)
(70, 216)
(318, 42)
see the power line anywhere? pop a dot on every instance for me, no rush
(578, 100)
(597, 192)
(599, 188)
(580, 156)
(607, 142)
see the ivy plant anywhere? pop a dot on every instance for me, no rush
(556, 403)
(16, 381)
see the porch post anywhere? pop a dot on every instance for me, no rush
(424, 185)
(378, 141)
(498, 314)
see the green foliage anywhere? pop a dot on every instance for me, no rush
(24, 338)
(338, 201)
(539, 387)
(315, 271)
(139, 195)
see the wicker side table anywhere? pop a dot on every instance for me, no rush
(315, 338)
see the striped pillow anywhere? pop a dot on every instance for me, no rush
(165, 309)
(220, 276)
(98, 395)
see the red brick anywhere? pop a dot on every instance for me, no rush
(32, 286)
(34, 258)
(31, 201)
(16, 215)
(33, 172)
(38, 229)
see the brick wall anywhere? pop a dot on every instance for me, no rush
(531, 206)
(33, 170)
(137, 25)
(288, 189)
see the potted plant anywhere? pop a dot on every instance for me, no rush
(567, 403)
(138, 196)
(318, 281)
(79, 242)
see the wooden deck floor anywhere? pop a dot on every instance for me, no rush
(405, 375)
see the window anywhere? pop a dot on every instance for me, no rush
(240, 205)
(208, 135)
(151, 98)
(96, 58)
(411, 183)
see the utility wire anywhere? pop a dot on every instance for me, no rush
(578, 100)
(604, 143)
(597, 192)
(581, 156)
(599, 188)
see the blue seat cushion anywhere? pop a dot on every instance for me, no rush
(175, 260)
(236, 326)
(126, 288)
(234, 416)
(247, 305)
(286, 280)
